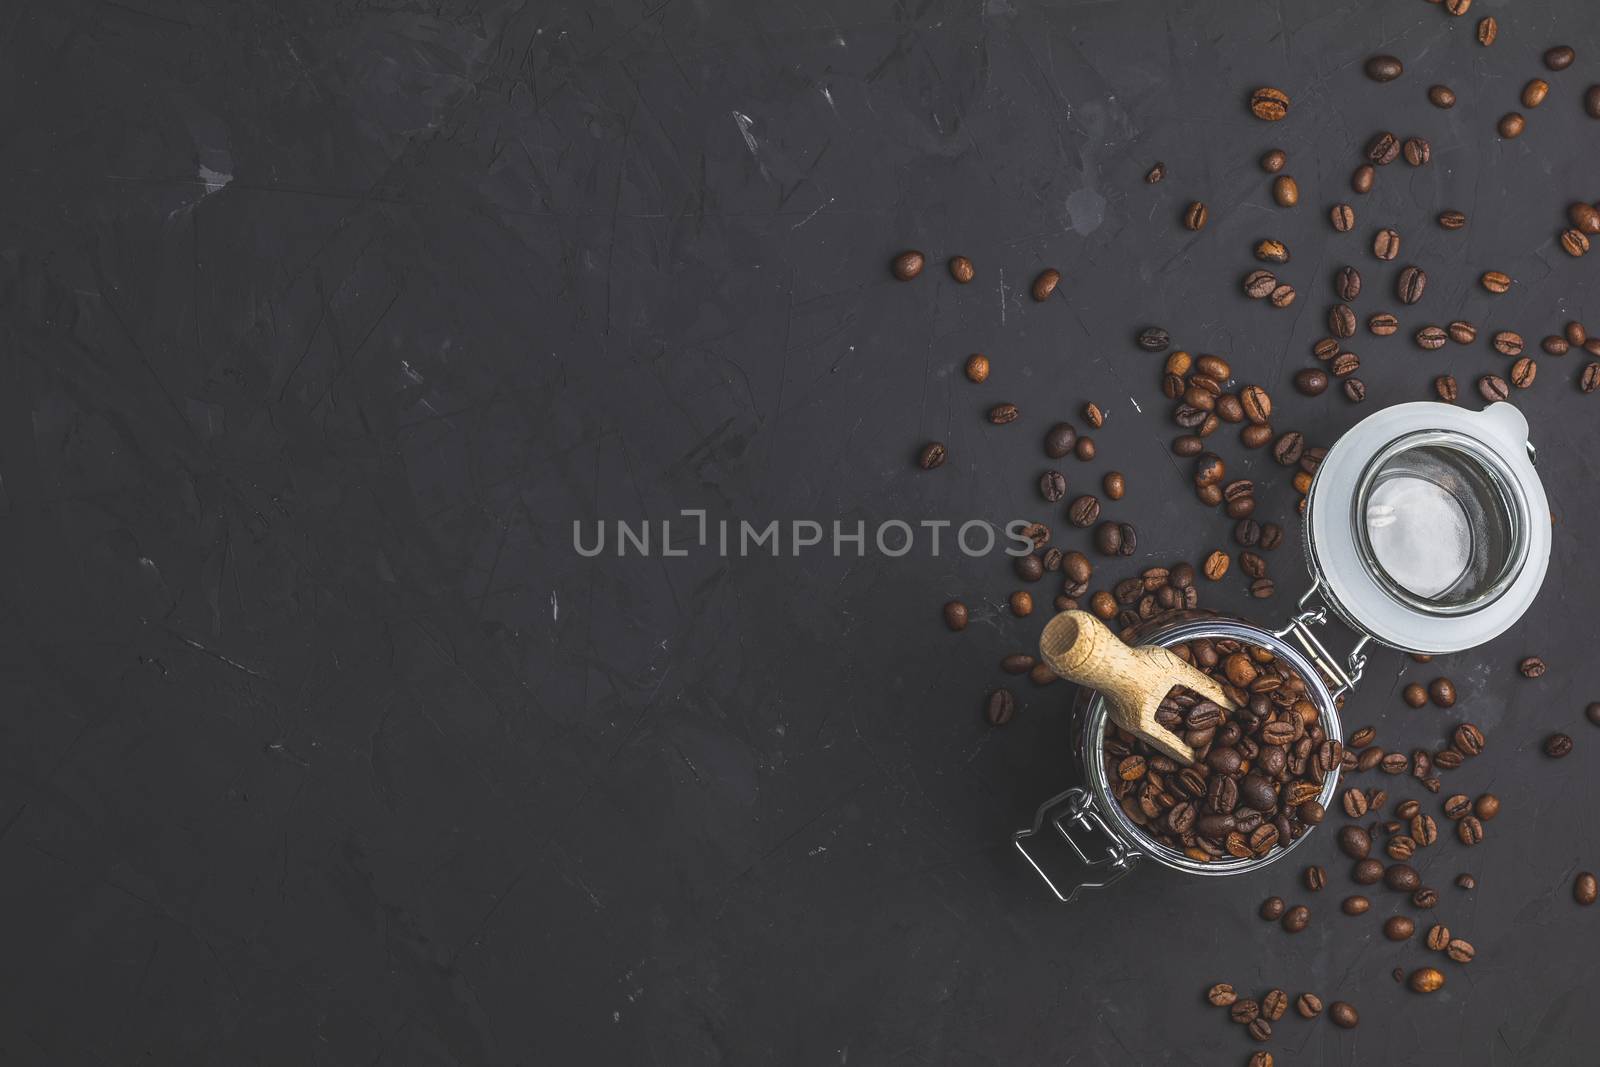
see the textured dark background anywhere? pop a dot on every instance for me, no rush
(322, 323)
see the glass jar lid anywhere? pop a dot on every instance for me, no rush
(1427, 526)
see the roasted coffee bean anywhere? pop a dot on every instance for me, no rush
(1367, 872)
(1591, 101)
(1001, 414)
(1343, 217)
(1187, 445)
(1424, 831)
(1355, 390)
(1052, 485)
(1417, 151)
(1592, 713)
(961, 269)
(931, 456)
(1347, 284)
(1084, 448)
(1383, 149)
(1311, 382)
(1342, 320)
(1382, 324)
(1462, 332)
(1059, 442)
(1557, 746)
(1488, 30)
(1356, 905)
(1576, 335)
(1282, 296)
(1245, 1010)
(1458, 806)
(1362, 178)
(1216, 565)
(1486, 807)
(1363, 737)
(1269, 104)
(1452, 220)
(1399, 928)
(1370, 759)
(1085, 512)
(1431, 338)
(1021, 603)
(1116, 539)
(1274, 1004)
(977, 368)
(1412, 281)
(1438, 937)
(1258, 284)
(1041, 674)
(1443, 692)
(1447, 759)
(1414, 695)
(1343, 1015)
(1495, 282)
(1260, 1029)
(1017, 663)
(1296, 918)
(1511, 125)
(1466, 881)
(1272, 909)
(1194, 217)
(1523, 372)
(1309, 1005)
(1228, 408)
(1355, 804)
(1584, 888)
(1401, 847)
(1426, 980)
(1315, 878)
(1534, 92)
(1507, 343)
(1115, 484)
(1589, 380)
(1394, 763)
(1554, 345)
(1285, 191)
(1221, 995)
(1354, 842)
(999, 708)
(1441, 96)
(1493, 388)
(1154, 339)
(1155, 174)
(1460, 951)
(1214, 367)
(955, 615)
(1256, 403)
(1386, 244)
(1288, 448)
(1104, 605)
(907, 265)
(1029, 568)
(1270, 251)
(1531, 667)
(1046, 283)
(1402, 878)
(1076, 566)
(1559, 58)
(1384, 68)
(1274, 160)
(1260, 1058)
(1469, 830)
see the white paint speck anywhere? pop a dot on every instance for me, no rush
(555, 607)
(827, 94)
(1136, 406)
(213, 179)
(813, 214)
(741, 120)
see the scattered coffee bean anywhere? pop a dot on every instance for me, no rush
(1362, 178)
(1441, 96)
(1431, 338)
(1222, 995)
(1347, 284)
(1274, 160)
(1507, 343)
(1386, 244)
(1270, 251)
(1398, 928)
(1452, 220)
(931, 456)
(1343, 217)
(1589, 380)
(1342, 320)
(1001, 414)
(1272, 909)
(907, 265)
(1488, 30)
(1274, 1004)
(1412, 281)
(1466, 881)
(1426, 980)
(1260, 1058)
(1259, 284)
(1018, 663)
(1041, 674)
(1443, 692)
(1060, 440)
(1367, 872)
(1084, 448)
(1523, 372)
(1383, 149)
(1114, 484)
(1462, 332)
(1155, 174)
(1343, 1015)
(1310, 382)
(1457, 7)
(1000, 707)
(1534, 92)
(1417, 151)
(1493, 388)
(1084, 512)
(1297, 918)
(1460, 951)
(1355, 390)
(1468, 739)
(1559, 58)
(1154, 339)
(1269, 104)
(1245, 1010)
(1584, 888)
(977, 368)
(1052, 486)
(1574, 243)
(1591, 102)
(1309, 1005)
(1046, 283)
(1592, 713)
(1557, 746)
(1425, 898)
(1194, 218)
(1469, 830)
(1414, 695)
(1511, 125)
(961, 269)
(1384, 68)
(1356, 905)
(1285, 191)
(1531, 667)
(1029, 568)
(1382, 324)
(1486, 807)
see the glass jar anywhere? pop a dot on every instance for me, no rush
(1426, 529)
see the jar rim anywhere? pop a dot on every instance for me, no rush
(1092, 737)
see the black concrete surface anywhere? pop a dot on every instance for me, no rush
(323, 323)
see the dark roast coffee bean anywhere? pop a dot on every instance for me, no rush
(1511, 125)
(1347, 284)
(1589, 380)
(1557, 746)
(1355, 390)
(1272, 909)
(1281, 296)
(1386, 244)
(1084, 512)
(1462, 332)
(1154, 339)
(1362, 177)
(1258, 284)
(1559, 57)
(1187, 445)
(1460, 950)
(1417, 151)
(1523, 372)
(1367, 872)
(1399, 928)
(1555, 345)
(1000, 707)
(1274, 161)
(931, 456)
(1285, 191)
(1592, 713)
(1488, 30)
(1466, 881)
(1274, 1004)
(1045, 284)
(1591, 101)
(1443, 692)
(1495, 281)
(1452, 220)
(1382, 324)
(1059, 442)
(1311, 382)
(1001, 414)
(1345, 364)
(1115, 484)
(1315, 878)
(1257, 404)
(1155, 174)
(1356, 905)
(1384, 68)
(1534, 92)
(1296, 918)
(1343, 217)
(1194, 217)
(1029, 568)
(1469, 830)
(1493, 388)
(1288, 448)
(1441, 96)
(1585, 890)
(1221, 995)
(1084, 448)
(1468, 739)
(1343, 1015)
(1402, 878)
(1052, 485)
(1269, 104)
(1342, 320)
(961, 269)
(1018, 663)
(1531, 667)
(955, 615)
(1021, 603)
(1354, 842)
(1383, 149)
(1245, 1010)
(1410, 285)
(907, 265)
(1309, 1005)
(1431, 338)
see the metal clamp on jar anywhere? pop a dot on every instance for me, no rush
(1426, 529)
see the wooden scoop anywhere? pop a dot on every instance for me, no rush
(1134, 681)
